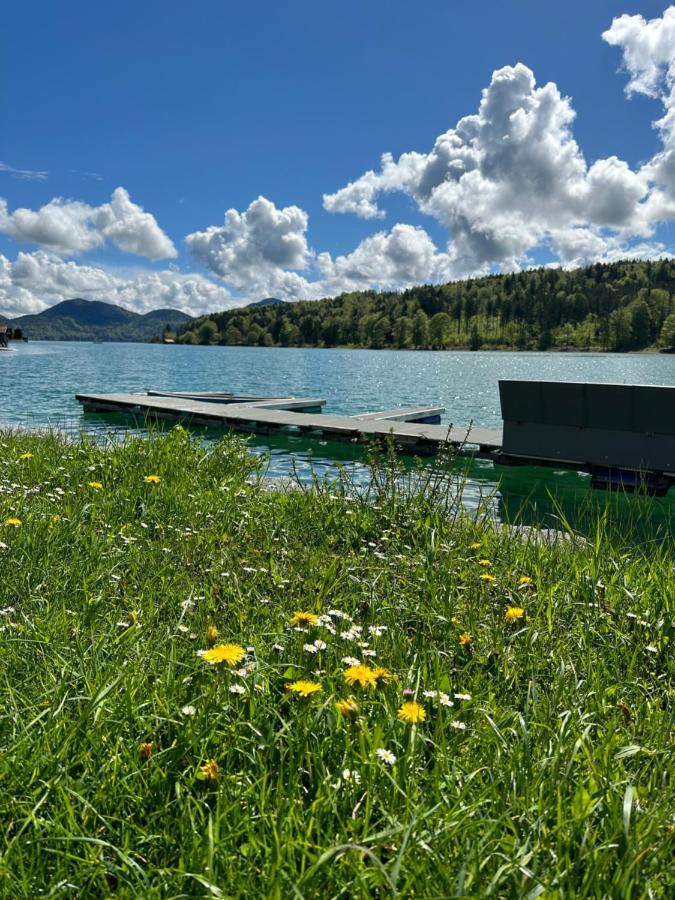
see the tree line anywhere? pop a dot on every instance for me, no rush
(618, 306)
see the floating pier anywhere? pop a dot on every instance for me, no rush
(413, 429)
(623, 435)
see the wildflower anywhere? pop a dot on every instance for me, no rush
(304, 688)
(650, 648)
(465, 639)
(430, 695)
(237, 689)
(363, 675)
(460, 726)
(350, 661)
(26, 456)
(304, 618)
(209, 771)
(227, 653)
(462, 696)
(16, 523)
(145, 749)
(475, 546)
(348, 708)
(132, 616)
(188, 710)
(96, 485)
(382, 674)
(386, 756)
(310, 648)
(152, 479)
(486, 577)
(211, 633)
(412, 713)
(377, 630)
(484, 562)
(514, 613)
(370, 653)
(56, 519)
(351, 775)
(524, 579)
(444, 700)
(320, 645)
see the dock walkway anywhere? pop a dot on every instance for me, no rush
(410, 428)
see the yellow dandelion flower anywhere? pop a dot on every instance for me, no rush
(96, 485)
(227, 653)
(348, 708)
(145, 749)
(487, 577)
(382, 674)
(209, 771)
(15, 523)
(304, 688)
(304, 618)
(412, 713)
(484, 562)
(363, 675)
(514, 613)
(26, 456)
(524, 579)
(475, 546)
(465, 639)
(152, 479)
(212, 633)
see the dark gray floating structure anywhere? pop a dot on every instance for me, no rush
(623, 435)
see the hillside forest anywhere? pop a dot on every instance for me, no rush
(618, 306)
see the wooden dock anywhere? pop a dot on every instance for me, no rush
(413, 429)
(623, 435)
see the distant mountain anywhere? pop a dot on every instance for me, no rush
(268, 301)
(94, 320)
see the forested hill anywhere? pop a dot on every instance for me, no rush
(615, 306)
(94, 320)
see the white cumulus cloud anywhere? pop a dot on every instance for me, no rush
(512, 176)
(264, 251)
(71, 227)
(259, 250)
(648, 49)
(402, 257)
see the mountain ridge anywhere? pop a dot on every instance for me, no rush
(80, 319)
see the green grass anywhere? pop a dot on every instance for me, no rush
(554, 779)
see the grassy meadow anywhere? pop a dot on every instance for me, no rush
(210, 689)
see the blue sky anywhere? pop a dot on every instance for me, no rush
(202, 108)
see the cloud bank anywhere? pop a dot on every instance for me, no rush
(34, 281)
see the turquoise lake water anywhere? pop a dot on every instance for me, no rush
(39, 380)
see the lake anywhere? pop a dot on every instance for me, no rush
(39, 381)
